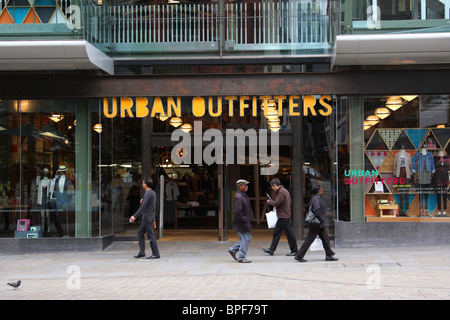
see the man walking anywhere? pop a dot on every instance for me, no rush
(147, 210)
(282, 203)
(242, 217)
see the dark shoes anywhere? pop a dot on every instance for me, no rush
(268, 251)
(300, 259)
(140, 255)
(233, 254)
(328, 258)
(293, 253)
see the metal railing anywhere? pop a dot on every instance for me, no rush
(199, 27)
(202, 27)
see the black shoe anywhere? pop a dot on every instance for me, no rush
(153, 257)
(293, 253)
(140, 255)
(268, 251)
(300, 259)
(328, 258)
(233, 254)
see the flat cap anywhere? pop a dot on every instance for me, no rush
(241, 182)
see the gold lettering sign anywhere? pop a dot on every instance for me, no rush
(213, 106)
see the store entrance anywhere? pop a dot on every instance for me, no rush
(190, 193)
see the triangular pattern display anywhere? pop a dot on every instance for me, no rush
(416, 136)
(388, 163)
(403, 142)
(442, 136)
(377, 158)
(390, 136)
(5, 17)
(376, 142)
(31, 17)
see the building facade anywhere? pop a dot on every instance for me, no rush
(350, 95)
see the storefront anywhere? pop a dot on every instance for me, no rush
(103, 143)
(112, 145)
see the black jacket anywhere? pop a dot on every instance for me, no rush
(319, 209)
(147, 208)
(242, 213)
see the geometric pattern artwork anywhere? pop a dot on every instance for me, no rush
(390, 136)
(377, 158)
(416, 136)
(31, 11)
(379, 154)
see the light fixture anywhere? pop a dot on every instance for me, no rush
(56, 117)
(186, 127)
(394, 103)
(176, 122)
(373, 120)
(163, 117)
(382, 113)
(367, 125)
(273, 120)
(409, 98)
(98, 127)
(274, 127)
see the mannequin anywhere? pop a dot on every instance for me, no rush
(43, 200)
(424, 168)
(63, 199)
(442, 166)
(403, 170)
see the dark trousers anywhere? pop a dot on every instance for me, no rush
(284, 225)
(147, 227)
(312, 234)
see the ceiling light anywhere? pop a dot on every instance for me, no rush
(382, 113)
(56, 117)
(373, 120)
(409, 98)
(394, 103)
(98, 127)
(176, 122)
(186, 127)
(367, 125)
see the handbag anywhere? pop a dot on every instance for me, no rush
(272, 218)
(311, 219)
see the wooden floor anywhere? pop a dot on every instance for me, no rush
(204, 235)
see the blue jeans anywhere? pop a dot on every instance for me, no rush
(242, 244)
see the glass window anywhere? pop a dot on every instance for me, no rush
(402, 166)
(37, 161)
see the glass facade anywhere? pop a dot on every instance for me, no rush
(401, 166)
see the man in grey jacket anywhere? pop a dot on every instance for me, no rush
(242, 218)
(282, 203)
(147, 210)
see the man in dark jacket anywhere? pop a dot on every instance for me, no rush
(242, 217)
(147, 210)
(282, 203)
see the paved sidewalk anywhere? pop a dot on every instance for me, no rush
(205, 271)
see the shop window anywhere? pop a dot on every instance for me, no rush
(406, 162)
(37, 167)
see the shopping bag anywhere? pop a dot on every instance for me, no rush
(271, 218)
(316, 245)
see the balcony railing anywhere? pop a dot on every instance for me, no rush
(293, 27)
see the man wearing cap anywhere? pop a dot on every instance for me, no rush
(242, 217)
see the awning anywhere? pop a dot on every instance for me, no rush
(392, 49)
(53, 55)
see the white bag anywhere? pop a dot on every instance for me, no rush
(316, 245)
(271, 218)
